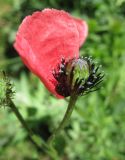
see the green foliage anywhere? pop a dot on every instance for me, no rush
(97, 127)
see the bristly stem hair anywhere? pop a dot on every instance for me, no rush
(6, 101)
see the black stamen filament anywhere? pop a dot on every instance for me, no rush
(81, 86)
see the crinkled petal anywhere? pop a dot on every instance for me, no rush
(82, 29)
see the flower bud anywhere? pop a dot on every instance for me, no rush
(6, 89)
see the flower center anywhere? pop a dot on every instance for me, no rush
(77, 75)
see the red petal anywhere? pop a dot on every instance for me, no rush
(43, 39)
(82, 29)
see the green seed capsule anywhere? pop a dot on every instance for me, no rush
(77, 69)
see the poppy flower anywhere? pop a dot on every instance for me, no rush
(45, 38)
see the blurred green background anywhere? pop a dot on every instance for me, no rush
(97, 126)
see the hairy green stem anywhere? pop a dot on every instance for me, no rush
(41, 146)
(65, 119)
